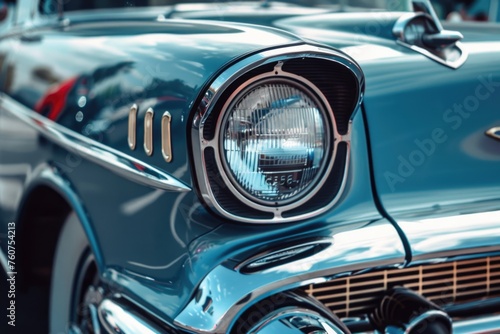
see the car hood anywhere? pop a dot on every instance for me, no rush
(345, 29)
(254, 12)
(245, 11)
(166, 65)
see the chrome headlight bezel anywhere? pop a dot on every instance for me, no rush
(276, 77)
(334, 81)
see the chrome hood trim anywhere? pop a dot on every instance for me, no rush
(105, 156)
(221, 297)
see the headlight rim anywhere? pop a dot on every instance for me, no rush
(332, 140)
(333, 72)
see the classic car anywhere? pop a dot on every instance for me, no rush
(257, 167)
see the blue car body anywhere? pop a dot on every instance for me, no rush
(117, 195)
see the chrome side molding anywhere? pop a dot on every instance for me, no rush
(105, 156)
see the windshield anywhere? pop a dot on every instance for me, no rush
(50, 6)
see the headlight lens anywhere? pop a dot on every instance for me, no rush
(275, 141)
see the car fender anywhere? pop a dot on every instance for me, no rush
(50, 176)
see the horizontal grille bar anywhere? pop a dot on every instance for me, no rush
(443, 283)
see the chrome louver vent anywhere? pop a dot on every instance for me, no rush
(444, 284)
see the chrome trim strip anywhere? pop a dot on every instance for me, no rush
(351, 250)
(132, 127)
(452, 236)
(4, 262)
(494, 133)
(166, 136)
(225, 80)
(282, 254)
(148, 131)
(481, 325)
(119, 319)
(105, 156)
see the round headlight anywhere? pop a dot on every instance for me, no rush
(275, 141)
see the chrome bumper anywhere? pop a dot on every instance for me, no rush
(117, 318)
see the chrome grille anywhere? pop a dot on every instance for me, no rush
(444, 284)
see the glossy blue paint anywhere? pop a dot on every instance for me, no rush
(87, 83)
(426, 122)
(449, 235)
(436, 155)
(261, 13)
(150, 236)
(90, 95)
(345, 29)
(419, 155)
